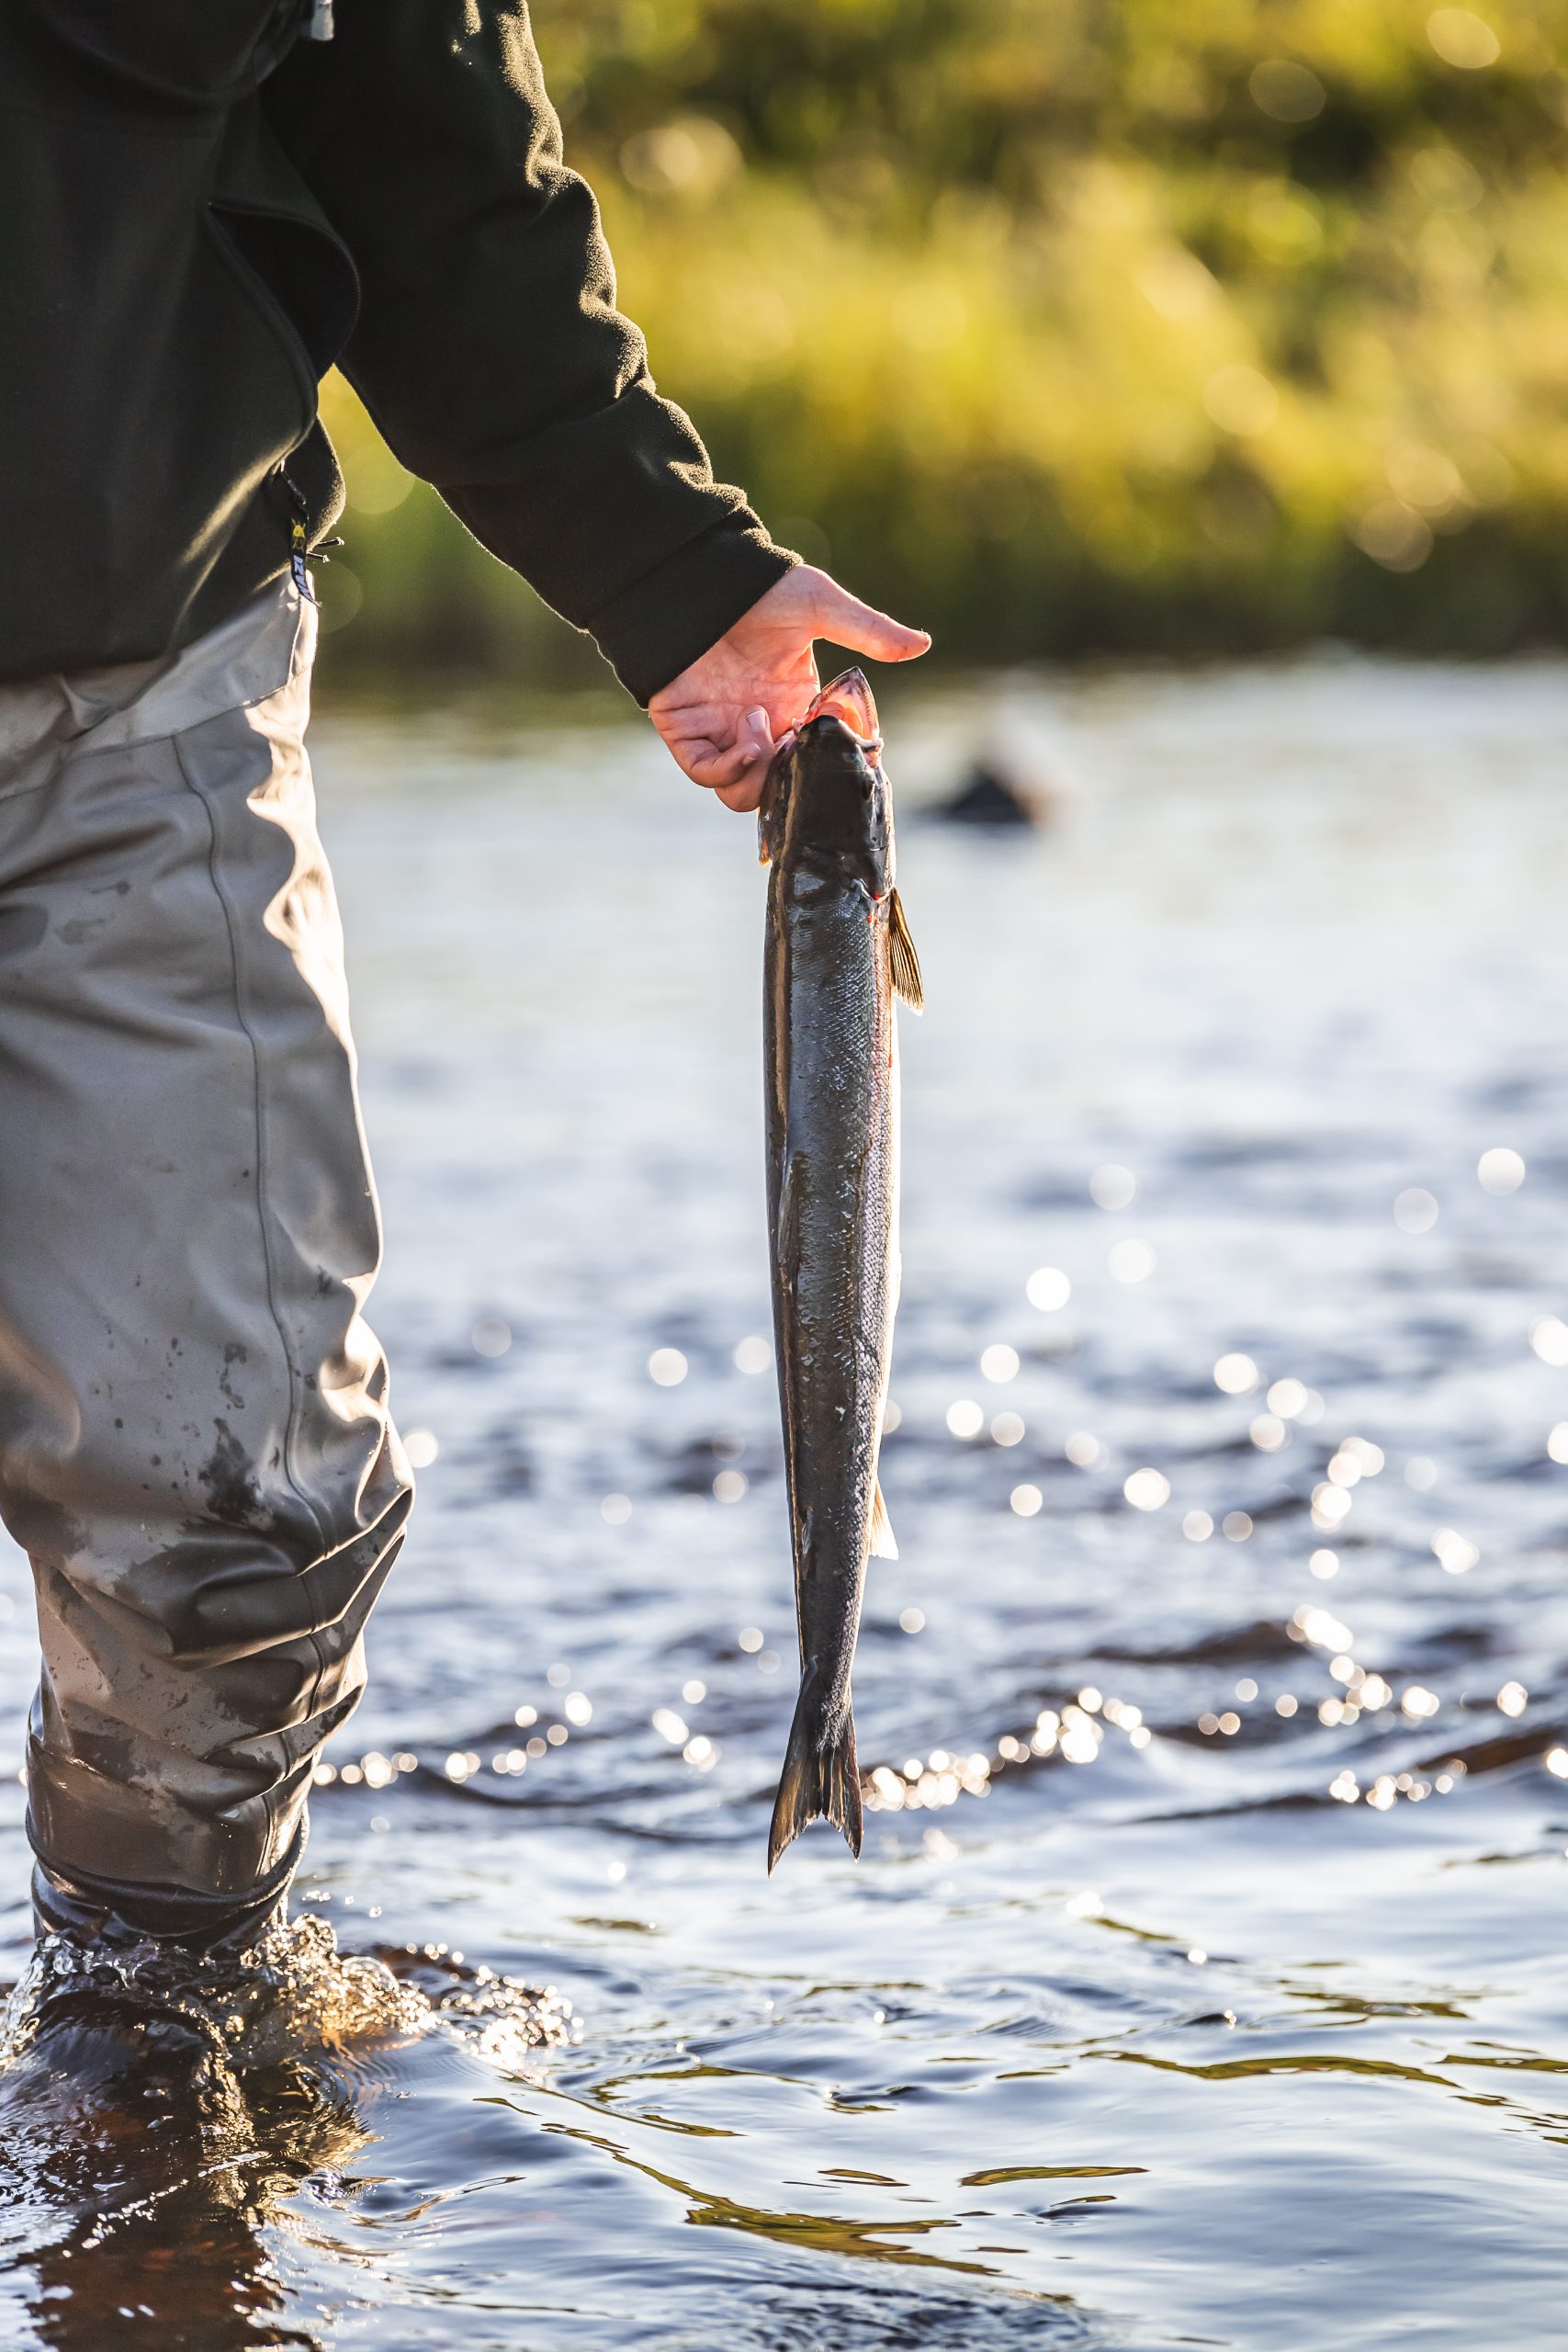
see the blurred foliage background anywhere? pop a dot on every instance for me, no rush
(1071, 326)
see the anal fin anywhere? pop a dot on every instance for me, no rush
(884, 1543)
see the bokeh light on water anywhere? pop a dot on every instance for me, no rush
(1201, 1978)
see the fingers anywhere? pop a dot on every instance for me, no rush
(746, 796)
(838, 615)
(734, 769)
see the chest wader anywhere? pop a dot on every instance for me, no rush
(195, 1445)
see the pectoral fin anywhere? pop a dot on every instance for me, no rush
(904, 962)
(884, 1544)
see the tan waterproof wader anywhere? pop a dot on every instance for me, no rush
(194, 1446)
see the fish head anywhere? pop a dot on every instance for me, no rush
(826, 801)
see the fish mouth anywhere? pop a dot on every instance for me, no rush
(848, 699)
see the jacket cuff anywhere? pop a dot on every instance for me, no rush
(652, 630)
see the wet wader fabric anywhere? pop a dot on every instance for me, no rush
(194, 1446)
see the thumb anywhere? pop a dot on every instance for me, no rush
(754, 739)
(838, 615)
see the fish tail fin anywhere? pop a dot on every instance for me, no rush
(821, 1778)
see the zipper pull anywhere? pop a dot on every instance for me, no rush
(320, 24)
(298, 538)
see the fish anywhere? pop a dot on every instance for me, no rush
(838, 956)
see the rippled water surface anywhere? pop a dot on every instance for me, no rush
(1202, 1983)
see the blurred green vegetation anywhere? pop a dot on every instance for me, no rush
(1071, 326)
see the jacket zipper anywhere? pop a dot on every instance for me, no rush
(300, 551)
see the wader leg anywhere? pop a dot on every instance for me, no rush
(195, 1445)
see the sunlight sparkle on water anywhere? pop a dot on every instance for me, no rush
(999, 1364)
(1197, 1527)
(1048, 1289)
(753, 1354)
(1415, 1210)
(1323, 1630)
(1080, 1737)
(1114, 1187)
(1236, 1374)
(1148, 1489)
(1131, 1262)
(1330, 1504)
(1500, 1171)
(1084, 1452)
(1007, 1428)
(1026, 1500)
(965, 1419)
(1549, 1337)
(667, 1367)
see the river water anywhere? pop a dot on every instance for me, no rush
(1202, 1981)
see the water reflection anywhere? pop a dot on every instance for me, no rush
(153, 2199)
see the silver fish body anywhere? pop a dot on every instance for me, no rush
(837, 956)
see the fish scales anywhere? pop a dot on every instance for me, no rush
(836, 954)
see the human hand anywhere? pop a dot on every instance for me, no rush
(722, 715)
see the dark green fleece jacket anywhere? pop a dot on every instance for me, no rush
(200, 212)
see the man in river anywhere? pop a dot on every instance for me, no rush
(209, 203)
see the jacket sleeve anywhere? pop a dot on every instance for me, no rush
(488, 347)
